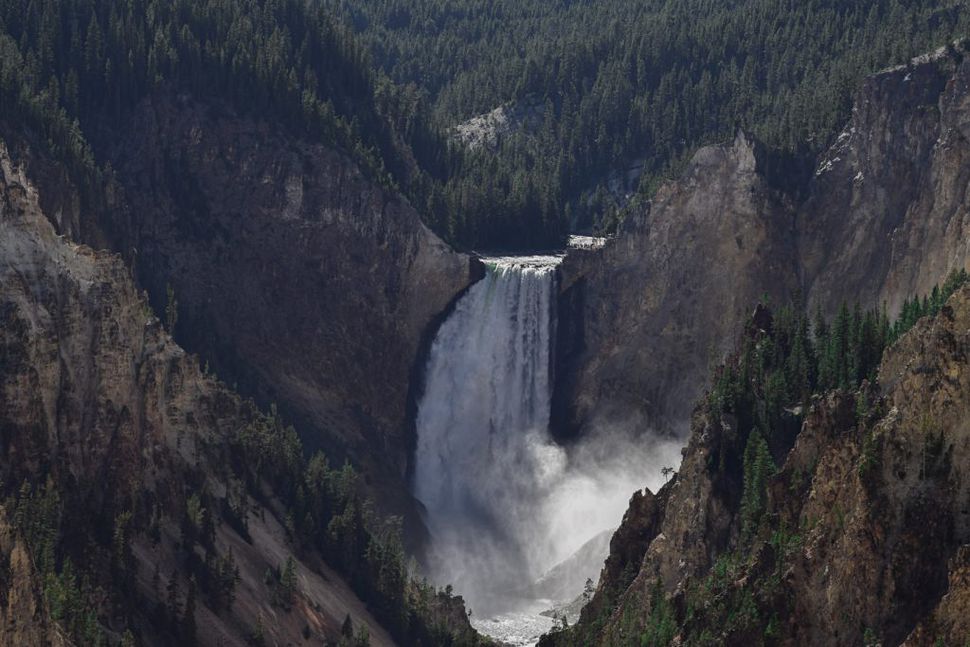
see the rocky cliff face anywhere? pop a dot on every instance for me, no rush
(296, 278)
(866, 534)
(25, 618)
(888, 212)
(96, 394)
(884, 217)
(645, 316)
(121, 456)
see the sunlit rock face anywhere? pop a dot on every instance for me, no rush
(880, 216)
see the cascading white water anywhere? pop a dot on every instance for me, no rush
(504, 502)
(483, 446)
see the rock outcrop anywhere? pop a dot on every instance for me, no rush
(24, 617)
(884, 217)
(94, 392)
(487, 131)
(866, 530)
(644, 318)
(887, 216)
(297, 278)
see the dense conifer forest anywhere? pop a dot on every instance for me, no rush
(616, 83)
(71, 70)
(797, 358)
(625, 81)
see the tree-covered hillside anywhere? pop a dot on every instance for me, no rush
(612, 82)
(625, 80)
(71, 70)
(71, 67)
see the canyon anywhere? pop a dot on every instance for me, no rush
(881, 217)
(293, 281)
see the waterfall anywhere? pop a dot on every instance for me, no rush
(504, 503)
(483, 446)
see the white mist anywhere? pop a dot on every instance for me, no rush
(504, 502)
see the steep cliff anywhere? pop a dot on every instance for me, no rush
(883, 217)
(141, 495)
(888, 211)
(862, 532)
(645, 316)
(297, 278)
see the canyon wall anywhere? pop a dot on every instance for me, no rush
(298, 279)
(96, 395)
(883, 217)
(865, 530)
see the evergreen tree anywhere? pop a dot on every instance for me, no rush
(288, 581)
(758, 467)
(173, 605)
(188, 618)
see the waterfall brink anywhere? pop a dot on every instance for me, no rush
(483, 453)
(505, 503)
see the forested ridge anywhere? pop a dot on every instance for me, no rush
(626, 81)
(614, 83)
(85, 560)
(72, 70)
(69, 67)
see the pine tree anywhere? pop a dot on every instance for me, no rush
(172, 604)
(840, 347)
(758, 467)
(288, 581)
(188, 618)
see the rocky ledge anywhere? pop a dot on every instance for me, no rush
(865, 537)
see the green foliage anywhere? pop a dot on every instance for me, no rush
(73, 68)
(37, 517)
(915, 309)
(661, 623)
(330, 514)
(782, 366)
(868, 460)
(624, 80)
(288, 579)
(225, 576)
(785, 542)
(727, 602)
(69, 606)
(270, 450)
(778, 367)
(123, 564)
(758, 467)
(607, 84)
(282, 582)
(195, 512)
